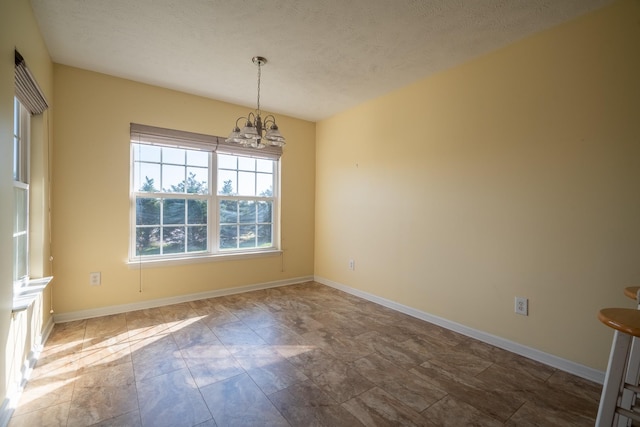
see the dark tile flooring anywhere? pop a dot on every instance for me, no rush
(300, 355)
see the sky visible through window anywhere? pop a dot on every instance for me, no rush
(171, 172)
(167, 168)
(248, 177)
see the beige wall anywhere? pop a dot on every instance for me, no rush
(18, 30)
(516, 174)
(91, 193)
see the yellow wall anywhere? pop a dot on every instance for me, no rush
(516, 174)
(18, 30)
(91, 193)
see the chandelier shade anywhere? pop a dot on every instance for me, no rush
(255, 132)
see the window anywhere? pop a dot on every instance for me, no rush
(245, 189)
(171, 200)
(20, 194)
(29, 100)
(199, 198)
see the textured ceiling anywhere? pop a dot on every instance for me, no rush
(324, 55)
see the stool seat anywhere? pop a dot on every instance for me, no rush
(631, 292)
(626, 320)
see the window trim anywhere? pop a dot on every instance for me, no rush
(135, 264)
(142, 134)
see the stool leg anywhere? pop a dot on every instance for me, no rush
(613, 379)
(628, 397)
(631, 377)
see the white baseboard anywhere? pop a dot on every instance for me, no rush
(10, 402)
(124, 308)
(514, 347)
(47, 330)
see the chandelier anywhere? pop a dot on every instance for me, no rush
(256, 133)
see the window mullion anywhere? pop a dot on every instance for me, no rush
(213, 212)
(160, 184)
(161, 224)
(186, 224)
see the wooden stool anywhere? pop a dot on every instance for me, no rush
(628, 398)
(621, 380)
(632, 292)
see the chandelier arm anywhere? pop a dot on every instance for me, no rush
(269, 119)
(240, 118)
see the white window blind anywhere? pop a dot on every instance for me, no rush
(171, 138)
(27, 89)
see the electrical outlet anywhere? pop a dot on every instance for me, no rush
(94, 278)
(522, 306)
(352, 265)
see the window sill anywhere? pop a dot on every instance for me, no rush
(28, 293)
(165, 262)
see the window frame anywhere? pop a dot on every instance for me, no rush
(213, 250)
(273, 200)
(20, 181)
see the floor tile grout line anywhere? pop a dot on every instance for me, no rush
(267, 397)
(516, 411)
(199, 391)
(135, 380)
(75, 376)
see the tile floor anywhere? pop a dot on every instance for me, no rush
(301, 355)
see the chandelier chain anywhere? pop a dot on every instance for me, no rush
(259, 73)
